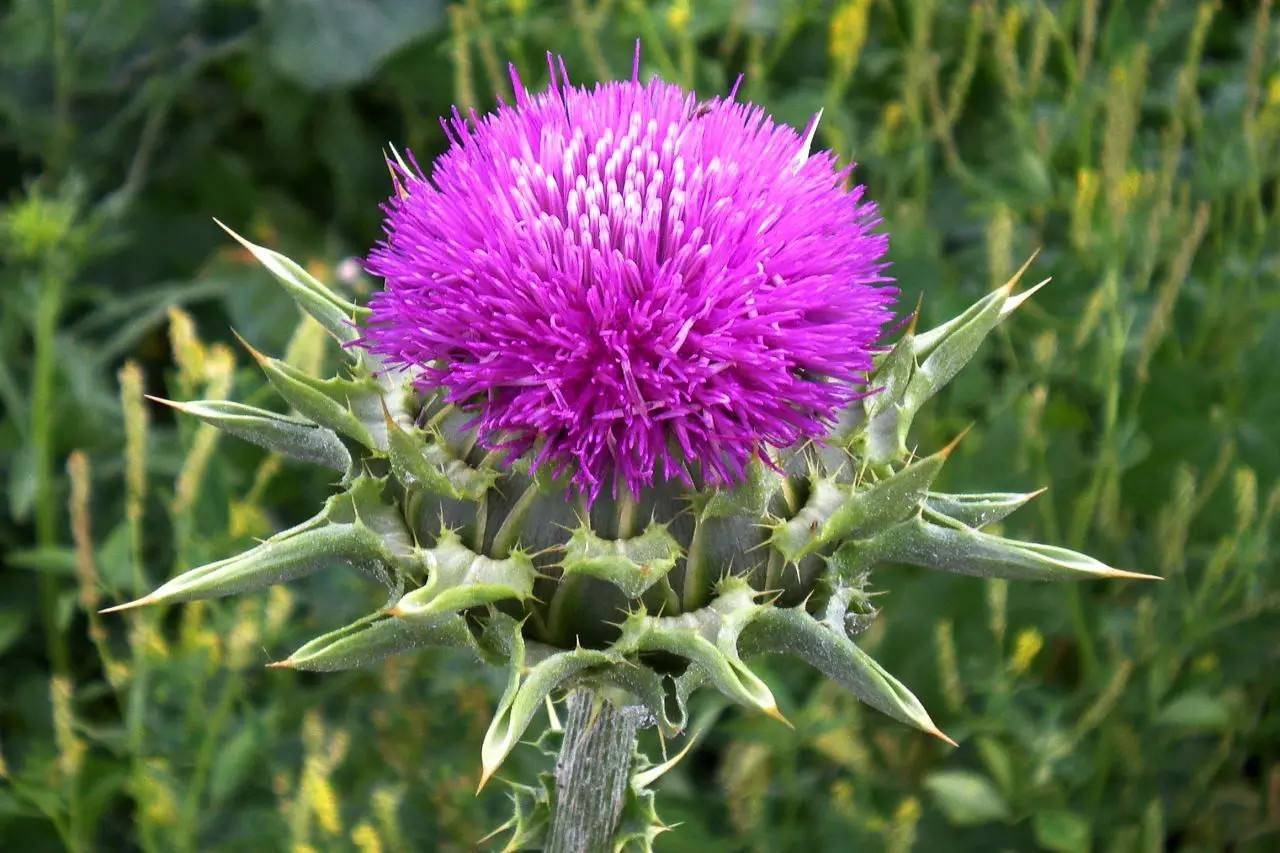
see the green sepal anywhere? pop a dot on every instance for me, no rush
(330, 310)
(890, 377)
(331, 403)
(354, 529)
(648, 688)
(530, 815)
(638, 824)
(525, 693)
(949, 347)
(939, 354)
(978, 510)
(725, 529)
(884, 407)
(420, 460)
(378, 636)
(792, 631)
(751, 497)
(935, 542)
(459, 578)
(293, 437)
(708, 639)
(632, 565)
(836, 511)
(848, 608)
(958, 338)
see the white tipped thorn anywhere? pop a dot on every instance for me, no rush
(1011, 304)
(809, 133)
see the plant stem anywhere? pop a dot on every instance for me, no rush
(592, 773)
(48, 310)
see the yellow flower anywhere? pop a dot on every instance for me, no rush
(847, 35)
(365, 838)
(1025, 648)
(679, 14)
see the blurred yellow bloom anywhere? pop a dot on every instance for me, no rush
(1025, 648)
(321, 798)
(155, 796)
(847, 35)
(365, 838)
(679, 14)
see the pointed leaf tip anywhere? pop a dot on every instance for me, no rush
(253, 352)
(946, 452)
(145, 601)
(1011, 304)
(173, 404)
(940, 735)
(1009, 285)
(281, 664)
(233, 234)
(914, 319)
(330, 309)
(772, 711)
(1123, 574)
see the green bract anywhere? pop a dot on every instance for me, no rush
(652, 596)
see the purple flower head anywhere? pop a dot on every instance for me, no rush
(631, 283)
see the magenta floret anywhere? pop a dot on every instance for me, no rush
(633, 284)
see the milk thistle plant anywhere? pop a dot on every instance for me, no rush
(618, 420)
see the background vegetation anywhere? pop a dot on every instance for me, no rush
(1137, 144)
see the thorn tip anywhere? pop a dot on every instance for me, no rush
(145, 601)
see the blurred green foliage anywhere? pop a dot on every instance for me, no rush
(1137, 145)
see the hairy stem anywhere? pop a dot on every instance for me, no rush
(592, 773)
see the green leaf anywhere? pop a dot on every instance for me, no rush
(293, 437)
(966, 798)
(632, 565)
(54, 559)
(882, 439)
(1061, 830)
(1197, 710)
(275, 561)
(996, 758)
(13, 622)
(236, 758)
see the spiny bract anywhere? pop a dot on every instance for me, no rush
(654, 590)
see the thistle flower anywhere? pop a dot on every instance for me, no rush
(636, 282)
(623, 286)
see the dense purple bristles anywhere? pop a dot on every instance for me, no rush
(631, 283)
